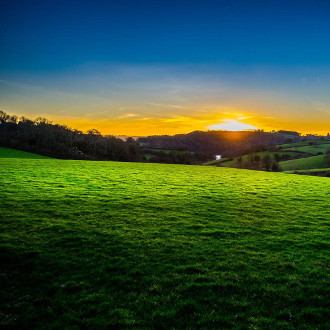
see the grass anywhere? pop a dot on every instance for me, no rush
(13, 153)
(314, 171)
(130, 245)
(216, 161)
(303, 143)
(233, 162)
(304, 163)
(148, 156)
(311, 170)
(314, 149)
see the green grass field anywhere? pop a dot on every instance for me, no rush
(303, 143)
(314, 149)
(97, 245)
(13, 153)
(304, 163)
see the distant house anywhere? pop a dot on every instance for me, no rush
(217, 157)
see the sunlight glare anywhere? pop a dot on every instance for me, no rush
(232, 125)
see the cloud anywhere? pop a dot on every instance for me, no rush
(168, 105)
(127, 115)
(133, 107)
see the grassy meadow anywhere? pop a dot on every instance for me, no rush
(317, 162)
(131, 245)
(313, 150)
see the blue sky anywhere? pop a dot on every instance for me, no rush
(74, 60)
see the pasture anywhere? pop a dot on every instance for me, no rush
(312, 149)
(317, 162)
(261, 154)
(106, 244)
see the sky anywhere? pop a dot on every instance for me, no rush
(140, 67)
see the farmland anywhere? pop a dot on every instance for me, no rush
(291, 157)
(89, 244)
(233, 162)
(317, 162)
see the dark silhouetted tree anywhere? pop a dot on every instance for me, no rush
(267, 161)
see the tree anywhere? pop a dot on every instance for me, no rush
(43, 137)
(257, 158)
(327, 159)
(277, 157)
(239, 161)
(3, 117)
(267, 161)
(275, 167)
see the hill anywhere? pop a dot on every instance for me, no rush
(13, 153)
(226, 143)
(305, 163)
(291, 158)
(130, 245)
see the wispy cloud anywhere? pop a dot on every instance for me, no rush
(167, 105)
(133, 107)
(126, 116)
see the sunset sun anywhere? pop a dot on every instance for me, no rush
(232, 125)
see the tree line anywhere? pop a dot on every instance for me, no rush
(228, 144)
(43, 137)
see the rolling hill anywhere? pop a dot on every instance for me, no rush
(13, 153)
(316, 162)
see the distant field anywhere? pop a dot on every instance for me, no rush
(148, 156)
(168, 151)
(304, 163)
(304, 143)
(314, 149)
(232, 163)
(313, 171)
(98, 245)
(13, 153)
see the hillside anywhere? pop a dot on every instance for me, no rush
(290, 158)
(316, 156)
(226, 143)
(13, 153)
(130, 245)
(304, 163)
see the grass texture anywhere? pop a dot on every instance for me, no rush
(130, 245)
(13, 153)
(314, 149)
(303, 143)
(304, 163)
